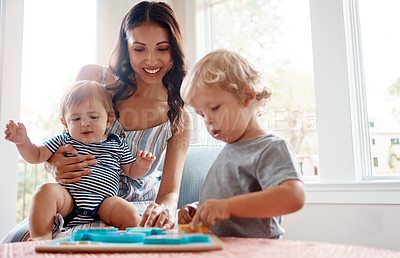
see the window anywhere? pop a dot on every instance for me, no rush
(347, 159)
(395, 141)
(276, 36)
(376, 163)
(381, 52)
(56, 44)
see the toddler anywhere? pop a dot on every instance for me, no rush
(255, 179)
(86, 111)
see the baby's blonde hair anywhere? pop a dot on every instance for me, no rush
(81, 90)
(225, 69)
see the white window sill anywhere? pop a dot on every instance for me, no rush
(382, 192)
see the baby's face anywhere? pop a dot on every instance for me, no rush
(225, 116)
(87, 122)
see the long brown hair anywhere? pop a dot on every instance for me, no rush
(161, 14)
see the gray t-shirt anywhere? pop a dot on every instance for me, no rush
(249, 166)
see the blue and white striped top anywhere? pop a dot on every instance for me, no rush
(143, 191)
(110, 154)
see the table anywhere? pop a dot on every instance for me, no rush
(233, 247)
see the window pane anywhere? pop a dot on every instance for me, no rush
(276, 37)
(58, 39)
(379, 21)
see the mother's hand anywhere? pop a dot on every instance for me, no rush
(69, 170)
(159, 216)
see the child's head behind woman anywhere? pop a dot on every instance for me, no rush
(86, 111)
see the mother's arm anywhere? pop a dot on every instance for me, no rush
(68, 170)
(162, 212)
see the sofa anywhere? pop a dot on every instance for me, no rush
(198, 161)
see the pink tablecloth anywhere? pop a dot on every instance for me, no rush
(233, 247)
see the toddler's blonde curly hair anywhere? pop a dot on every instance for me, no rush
(225, 69)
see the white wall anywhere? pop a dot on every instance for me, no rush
(109, 16)
(185, 12)
(357, 224)
(111, 12)
(10, 79)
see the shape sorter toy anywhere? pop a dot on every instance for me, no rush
(136, 239)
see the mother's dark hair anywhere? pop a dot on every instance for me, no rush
(161, 14)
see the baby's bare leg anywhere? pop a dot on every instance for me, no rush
(119, 213)
(48, 200)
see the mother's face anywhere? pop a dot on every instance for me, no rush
(149, 52)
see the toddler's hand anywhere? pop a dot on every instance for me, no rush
(185, 214)
(210, 212)
(15, 133)
(145, 159)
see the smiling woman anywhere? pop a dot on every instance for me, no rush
(144, 55)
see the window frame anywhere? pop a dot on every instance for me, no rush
(12, 26)
(10, 89)
(341, 104)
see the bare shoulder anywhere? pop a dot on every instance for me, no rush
(187, 119)
(181, 139)
(186, 134)
(179, 143)
(90, 72)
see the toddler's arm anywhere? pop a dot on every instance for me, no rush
(279, 200)
(16, 133)
(137, 169)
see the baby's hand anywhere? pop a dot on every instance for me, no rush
(15, 133)
(145, 159)
(210, 212)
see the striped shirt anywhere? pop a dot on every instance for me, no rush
(103, 182)
(143, 191)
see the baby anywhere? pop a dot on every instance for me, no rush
(255, 179)
(86, 111)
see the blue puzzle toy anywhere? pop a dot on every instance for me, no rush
(131, 240)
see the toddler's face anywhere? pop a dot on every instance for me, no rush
(87, 122)
(225, 116)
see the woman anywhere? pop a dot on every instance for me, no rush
(144, 75)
